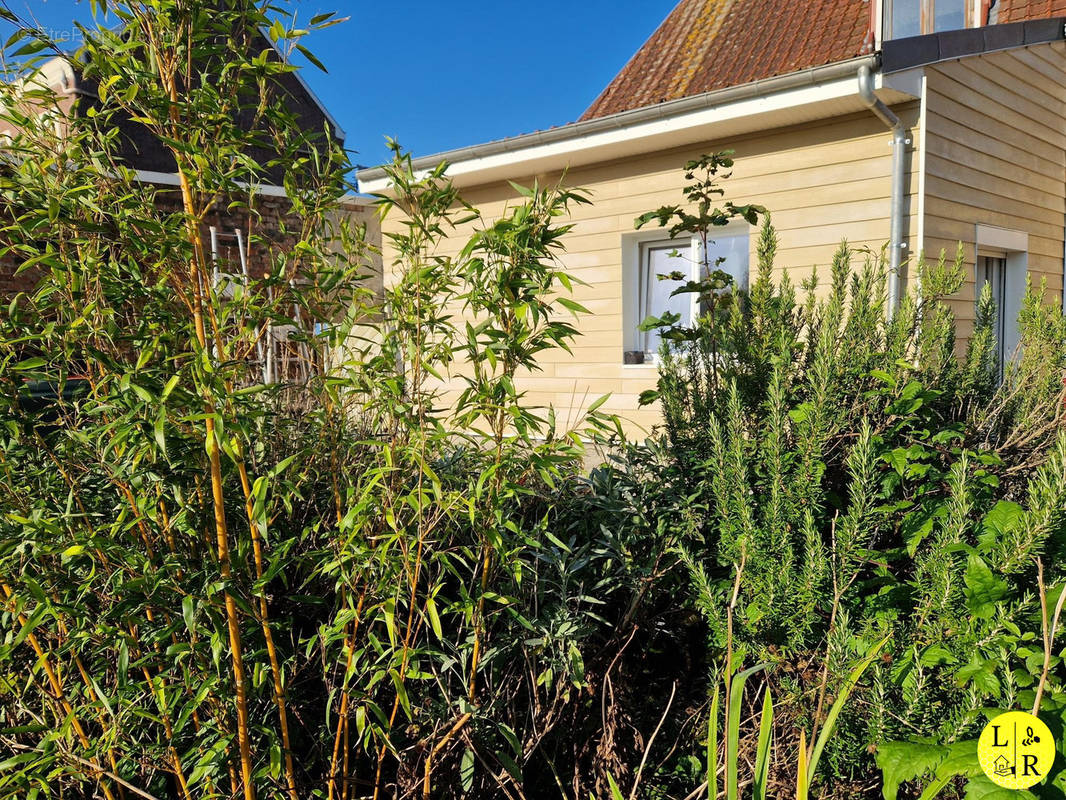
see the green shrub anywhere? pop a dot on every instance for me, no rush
(341, 584)
(832, 473)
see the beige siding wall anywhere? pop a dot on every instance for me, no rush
(996, 155)
(822, 182)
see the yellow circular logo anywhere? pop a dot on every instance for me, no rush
(1016, 750)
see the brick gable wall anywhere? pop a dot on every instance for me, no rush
(272, 223)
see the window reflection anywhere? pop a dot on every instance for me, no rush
(906, 18)
(950, 15)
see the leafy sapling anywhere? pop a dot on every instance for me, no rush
(713, 285)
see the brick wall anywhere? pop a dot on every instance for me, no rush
(271, 227)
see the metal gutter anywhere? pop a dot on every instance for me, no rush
(624, 119)
(896, 244)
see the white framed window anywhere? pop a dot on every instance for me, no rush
(904, 18)
(655, 266)
(729, 253)
(229, 262)
(1002, 264)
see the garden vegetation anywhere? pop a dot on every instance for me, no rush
(839, 555)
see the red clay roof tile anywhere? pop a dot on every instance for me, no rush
(710, 44)
(1020, 10)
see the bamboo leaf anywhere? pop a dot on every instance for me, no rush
(466, 770)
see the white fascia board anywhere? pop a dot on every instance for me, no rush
(788, 106)
(907, 82)
(171, 179)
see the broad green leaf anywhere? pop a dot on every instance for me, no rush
(907, 761)
(466, 770)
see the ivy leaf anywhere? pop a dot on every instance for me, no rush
(647, 397)
(983, 588)
(982, 788)
(897, 459)
(1003, 518)
(915, 528)
(981, 673)
(961, 760)
(935, 655)
(907, 761)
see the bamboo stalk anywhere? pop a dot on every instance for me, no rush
(168, 727)
(217, 488)
(342, 721)
(100, 714)
(268, 636)
(458, 726)
(55, 682)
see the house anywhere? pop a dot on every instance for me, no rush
(919, 123)
(241, 236)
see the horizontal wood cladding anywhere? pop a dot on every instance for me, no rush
(993, 150)
(821, 183)
(995, 141)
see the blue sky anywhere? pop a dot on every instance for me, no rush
(436, 74)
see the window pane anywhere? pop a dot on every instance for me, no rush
(906, 18)
(655, 293)
(734, 249)
(950, 15)
(993, 271)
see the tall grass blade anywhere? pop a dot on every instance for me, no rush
(736, 697)
(712, 746)
(762, 752)
(838, 706)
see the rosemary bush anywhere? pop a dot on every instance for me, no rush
(828, 474)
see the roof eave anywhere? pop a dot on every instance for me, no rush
(463, 161)
(468, 164)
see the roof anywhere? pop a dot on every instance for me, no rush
(1022, 10)
(791, 99)
(70, 79)
(704, 45)
(709, 44)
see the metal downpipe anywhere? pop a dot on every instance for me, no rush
(899, 175)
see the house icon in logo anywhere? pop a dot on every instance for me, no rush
(1001, 766)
